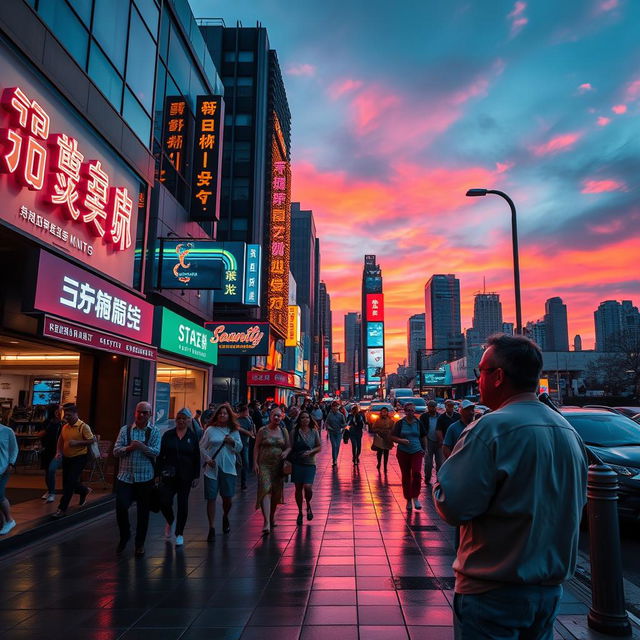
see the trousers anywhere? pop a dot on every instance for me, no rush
(335, 437)
(411, 469)
(126, 493)
(71, 471)
(434, 452)
(181, 488)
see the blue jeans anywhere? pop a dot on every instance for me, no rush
(335, 437)
(516, 612)
(356, 444)
(50, 475)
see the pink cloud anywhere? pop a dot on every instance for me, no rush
(560, 143)
(608, 5)
(517, 18)
(369, 106)
(619, 109)
(633, 90)
(602, 186)
(339, 88)
(603, 122)
(585, 87)
(301, 70)
(502, 167)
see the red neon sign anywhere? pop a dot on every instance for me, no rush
(54, 165)
(375, 307)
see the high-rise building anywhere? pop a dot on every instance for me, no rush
(303, 268)
(372, 358)
(255, 187)
(507, 328)
(617, 324)
(537, 332)
(487, 316)
(352, 342)
(415, 339)
(577, 343)
(326, 336)
(443, 334)
(556, 328)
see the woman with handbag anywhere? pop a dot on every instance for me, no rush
(271, 465)
(382, 443)
(179, 470)
(219, 445)
(305, 446)
(355, 422)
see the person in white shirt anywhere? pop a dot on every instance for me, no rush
(8, 457)
(219, 445)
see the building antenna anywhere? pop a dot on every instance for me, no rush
(484, 284)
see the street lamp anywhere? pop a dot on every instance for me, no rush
(474, 193)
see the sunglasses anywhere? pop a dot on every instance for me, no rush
(478, 371)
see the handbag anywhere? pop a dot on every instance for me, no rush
(214, 467)
(345, 436)
(287, 468)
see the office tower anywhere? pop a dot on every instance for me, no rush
(555, 320)
(507, 328)
(443, 335)
(487, 316)
(617, 325)
(372, 358)
(352, 342)
(326, 337)
(536, 331)
(415, 339)
(577, 343)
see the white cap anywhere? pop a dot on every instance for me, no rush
(467, 403)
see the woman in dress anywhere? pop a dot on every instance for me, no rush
(219, 445)
(270, 451)
(382, 428)
(305, 445)
(179, 468)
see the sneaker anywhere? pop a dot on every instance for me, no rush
(416, 504)
(409, 505)
(179, 541)
(226, 527)
(51, 498)
(168, 531)
(7, 527)
(84, 496)
(212, 535)
(59, 514)
(45, 495)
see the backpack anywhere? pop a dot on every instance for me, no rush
(147, 435)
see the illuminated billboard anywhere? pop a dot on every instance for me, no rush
(375, 334)
(293, 327)
(375, 307)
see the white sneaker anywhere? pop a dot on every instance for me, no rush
(44, 496)
(409, 505)
(416, 503)
(168, 531)
(179, 541)
(7, 527)
(51, 497)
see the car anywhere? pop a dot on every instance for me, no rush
(615, 439)
(630, 412)
(419, 403)
(373, 412)
(396, 394)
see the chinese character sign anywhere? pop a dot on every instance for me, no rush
(53, 164)
(293, 326)
(375, 307)
(207, 158)
(73, 293)
(175, 131)
(253, 274)
(279, 234)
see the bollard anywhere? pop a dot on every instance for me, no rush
(607, 614)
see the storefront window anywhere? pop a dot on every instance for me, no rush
(178, 387)
(102, 72)
(110, 22)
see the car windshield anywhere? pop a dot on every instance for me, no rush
(605, 430)
(379, 407)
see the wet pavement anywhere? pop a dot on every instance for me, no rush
(361, 569)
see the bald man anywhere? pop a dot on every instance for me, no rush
(136, 447)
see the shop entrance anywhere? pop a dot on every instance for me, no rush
(178, 386)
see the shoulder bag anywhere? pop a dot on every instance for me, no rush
(287, 467)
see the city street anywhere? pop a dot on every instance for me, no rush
(359, 569)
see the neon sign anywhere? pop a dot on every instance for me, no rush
(54, 165)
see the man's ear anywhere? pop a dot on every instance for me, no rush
(500, 377)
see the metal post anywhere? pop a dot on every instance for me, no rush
(607, 614)
(419, 358)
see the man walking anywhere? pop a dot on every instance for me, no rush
(8, 457)
(447, 418)
(137, 446)
(467, 411)
(335, 423)
(429, 423)
(516, 485)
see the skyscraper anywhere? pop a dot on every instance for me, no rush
(415, 338)
(556, 328)
(372, 359)
(443, 335)
(326, 337)
(352, 342)
(487, 316)
(616, 324)
(577, 343)
(537, 332)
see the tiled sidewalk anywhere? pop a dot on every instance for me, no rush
(360, 569)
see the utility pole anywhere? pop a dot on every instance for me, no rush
(419, 362)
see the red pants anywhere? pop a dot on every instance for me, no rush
(411, 468)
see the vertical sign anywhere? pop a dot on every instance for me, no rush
(175, 131)
(279, 233)
(205, 182)
(293, 326)
(375, 307)
(252, 275)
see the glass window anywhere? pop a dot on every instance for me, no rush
(228, 119)
(101, 71)
(179, 65)
(239, 224)
(242, 151)
(136, 117)
(229, 81)
(245, 81)
(110, 20)
(83, 9)
(161, 76)
(245, 56)
(240, 189)
(141, 61)
(229, 56)
(164, 34)
(243, 119)
(149, 11)
(67, 28)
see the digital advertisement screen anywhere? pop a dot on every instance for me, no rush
(375, 334)
(46, 391)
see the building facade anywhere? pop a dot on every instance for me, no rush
(325, 334)
(443, 334)
(352, 343)
(372, 353)
(487, 317)
(556, 327)
(415, 339)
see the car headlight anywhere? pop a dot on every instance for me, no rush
(623, 471)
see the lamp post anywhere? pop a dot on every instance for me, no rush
(514, 240)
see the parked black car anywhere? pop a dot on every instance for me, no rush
(615, 439)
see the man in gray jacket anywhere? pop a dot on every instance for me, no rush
(516, 485)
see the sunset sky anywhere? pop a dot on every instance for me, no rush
(399, 107)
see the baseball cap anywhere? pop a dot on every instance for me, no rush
(448, 401)
(432, 403)
(185, 412)
(467, 403)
